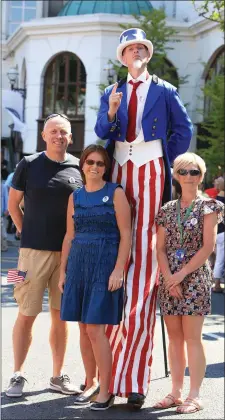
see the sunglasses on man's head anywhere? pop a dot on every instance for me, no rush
(192, 172)
(98, 163)
(55, 115)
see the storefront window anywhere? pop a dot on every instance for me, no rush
(65, 86)
(20, 11)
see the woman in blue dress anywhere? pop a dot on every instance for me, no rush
(94, 254)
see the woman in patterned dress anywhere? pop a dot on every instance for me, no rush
(94, 253)
(186, 237)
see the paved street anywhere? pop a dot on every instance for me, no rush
(39, 402)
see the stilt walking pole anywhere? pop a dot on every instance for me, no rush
(164, 346)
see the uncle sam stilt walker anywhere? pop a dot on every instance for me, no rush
(135, 116)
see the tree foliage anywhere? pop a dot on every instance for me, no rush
(213, 126)
(211, 10)
(211, 140)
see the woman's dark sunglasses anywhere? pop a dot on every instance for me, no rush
(98, 163)
(55, 115)
(192, 172)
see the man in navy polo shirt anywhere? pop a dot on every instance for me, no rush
(45, 180)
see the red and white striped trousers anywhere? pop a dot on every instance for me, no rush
(132, 341)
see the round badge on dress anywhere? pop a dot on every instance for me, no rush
(106, 198)
(71, 180)
(194, 221)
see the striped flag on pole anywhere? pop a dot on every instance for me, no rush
(16, 276)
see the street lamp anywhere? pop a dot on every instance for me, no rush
(110, 72)
(13, 79)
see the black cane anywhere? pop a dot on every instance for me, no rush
(164, 346)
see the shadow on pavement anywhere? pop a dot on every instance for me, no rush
(8, 400)
(64, 408)
(215, 370)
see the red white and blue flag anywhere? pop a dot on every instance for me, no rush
(16, 276)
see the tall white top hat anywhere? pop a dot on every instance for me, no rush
(133, 36)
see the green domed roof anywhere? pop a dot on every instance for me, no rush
(88, 7)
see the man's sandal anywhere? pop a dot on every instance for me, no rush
(190, 405)
(168, 401)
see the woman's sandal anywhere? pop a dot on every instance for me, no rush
(86, 397)
(190, 405)
(168, 401)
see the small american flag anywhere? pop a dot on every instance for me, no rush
(16, 276)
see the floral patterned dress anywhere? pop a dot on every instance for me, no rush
(197, 285)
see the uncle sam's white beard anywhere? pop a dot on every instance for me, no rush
(137, 64)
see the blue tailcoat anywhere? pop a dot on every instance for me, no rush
(164, 118)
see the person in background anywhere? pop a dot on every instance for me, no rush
(186, 237)
(212, 192)
(218, 271)
(11, 228)
(94, 254)
(4, 214)
(4, 168)
(9, 179)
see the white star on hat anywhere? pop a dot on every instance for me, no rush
(138, 34)
(123, 39)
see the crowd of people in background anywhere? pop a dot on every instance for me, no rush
(7, 225)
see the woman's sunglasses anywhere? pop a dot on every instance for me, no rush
(98, 163)
(192, 172)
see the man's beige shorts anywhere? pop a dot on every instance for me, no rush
(42, 269)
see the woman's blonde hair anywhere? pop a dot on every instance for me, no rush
(182, 161)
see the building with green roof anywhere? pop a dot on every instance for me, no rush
(60, 51)
(89, 7)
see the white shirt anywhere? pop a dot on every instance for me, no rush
(141, 92)
(138, 151)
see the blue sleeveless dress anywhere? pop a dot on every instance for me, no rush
(91, 260)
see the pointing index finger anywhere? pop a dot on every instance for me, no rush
(114, 88)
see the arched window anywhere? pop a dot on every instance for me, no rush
(65, 86)
(167, 71)
(214, 68)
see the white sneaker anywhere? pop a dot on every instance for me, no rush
(62, 384)
(16, 384)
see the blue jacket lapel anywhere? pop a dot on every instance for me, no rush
(155, 90)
